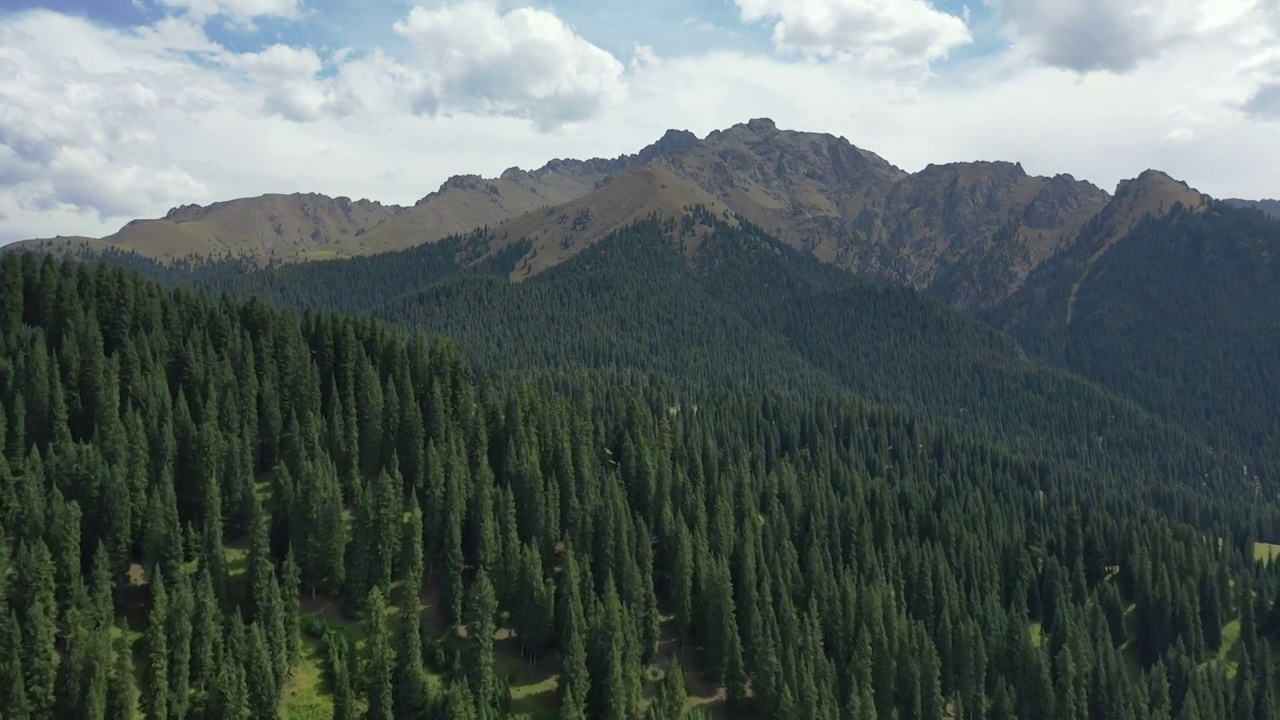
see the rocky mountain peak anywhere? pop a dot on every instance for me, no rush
(673, 142)
(184, 212)
(1155, 182)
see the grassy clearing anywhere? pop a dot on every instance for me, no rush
(1229, 653)
(533, 687)
(703, 694)
(1266, 552)
(306, 695)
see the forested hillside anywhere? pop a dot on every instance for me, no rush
(1182, 316)
(705, 304)
(214, 509)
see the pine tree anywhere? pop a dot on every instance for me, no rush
(122, 700)
(180, 630)
(482, 610)
(206, 635)
(344, 697)
(156, 697)
(411, 553)
(460, 704)
(292, 610)
(321, 531)
(672, 694)
(267, 602)
(380, 672)
(383, 530)
(262, 687)
(576, 681)
(232, 695)
(410, 691)
(12, 660)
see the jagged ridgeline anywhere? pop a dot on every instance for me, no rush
(214, 509)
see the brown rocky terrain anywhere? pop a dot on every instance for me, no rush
(968, 233)
(268, 228)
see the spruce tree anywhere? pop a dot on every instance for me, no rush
(411, 554)
(380, 666)
(482, 610)
(260, 673)
(122, 693)
(410, 690)
(672, 694)
(179, 625)
(292, 610)
(156, 673)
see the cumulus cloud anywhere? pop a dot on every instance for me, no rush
(892, 33)
(1105, 35)
(77, 125)
(100, 125)
(525, 62)
(1101, 127)
(288, 78)
(467, 58)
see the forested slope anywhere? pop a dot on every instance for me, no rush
(704, 304)
(1182, 317)
(1174, 319)
(213, 509)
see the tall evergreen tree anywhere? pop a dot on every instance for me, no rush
(380, 672)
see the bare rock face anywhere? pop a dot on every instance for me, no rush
(968, 233)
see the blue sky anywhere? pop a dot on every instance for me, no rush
(668, 26)
(116, 109)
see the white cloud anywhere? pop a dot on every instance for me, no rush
(887, 33)
(242, 11)
(1106, 35)
(467, 58)
(98, 126)
(1180, 135)
(525, 63)
(1098, 127)
(288, 76)
(78, 125)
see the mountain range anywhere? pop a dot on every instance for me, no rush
(739, 404)
(1154, 294)
(968, 233)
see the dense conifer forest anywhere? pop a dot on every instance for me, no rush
(635, 486)
(1183, 316)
